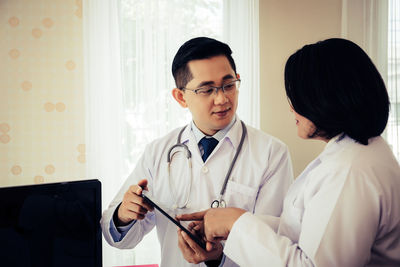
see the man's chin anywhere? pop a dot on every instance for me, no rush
(219, 125)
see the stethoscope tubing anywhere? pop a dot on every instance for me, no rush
(220, 202)
(228, 174)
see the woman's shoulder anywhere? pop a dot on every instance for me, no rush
(373, 161)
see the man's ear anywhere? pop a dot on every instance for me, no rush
(237, 76)
(178, 94)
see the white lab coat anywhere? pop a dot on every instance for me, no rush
(343, 210)
(258, 183)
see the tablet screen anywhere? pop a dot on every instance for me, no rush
(196, 239)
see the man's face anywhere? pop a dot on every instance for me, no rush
(214, 112)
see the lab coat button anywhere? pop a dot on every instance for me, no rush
(204, 169)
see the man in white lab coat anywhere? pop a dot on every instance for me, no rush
(207, 84)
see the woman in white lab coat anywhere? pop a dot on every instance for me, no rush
(344, 208)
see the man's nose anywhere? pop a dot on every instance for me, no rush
(220, 97)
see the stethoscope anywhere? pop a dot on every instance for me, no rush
(217, 203)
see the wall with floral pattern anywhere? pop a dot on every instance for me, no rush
(42, 113)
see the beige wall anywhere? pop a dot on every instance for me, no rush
(285, 26)
(42, 123)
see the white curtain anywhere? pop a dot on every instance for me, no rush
(129, 47)
(104, 103)
(151, 33)
(374, 25)
(103, 92)
(365, 22)
(240, 31)
(393, 129)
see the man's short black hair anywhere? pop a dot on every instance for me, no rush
(334, 84)
(197, 48)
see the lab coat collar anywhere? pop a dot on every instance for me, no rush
(335, 144)
(336, 139)
(187, 135)
(233, 135)
(331, 148)
(189, 139)
(218, 135)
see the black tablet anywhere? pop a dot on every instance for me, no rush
(196, 239)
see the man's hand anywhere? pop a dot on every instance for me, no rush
(217, 223)
(192, 252)
(133, 206)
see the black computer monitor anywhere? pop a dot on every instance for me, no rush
(50, 225)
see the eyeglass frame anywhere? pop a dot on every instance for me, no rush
(215, 88)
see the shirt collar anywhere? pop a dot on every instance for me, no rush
(218, 135)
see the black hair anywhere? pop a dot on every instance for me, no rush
(335, 85)
(197, 48)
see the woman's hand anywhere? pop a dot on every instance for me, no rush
(217, 223)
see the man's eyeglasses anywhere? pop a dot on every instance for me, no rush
(228, 88)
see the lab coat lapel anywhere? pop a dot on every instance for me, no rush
(234, 135)
(189, 140)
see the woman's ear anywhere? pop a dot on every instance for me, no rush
(178, 94)
(237, 76)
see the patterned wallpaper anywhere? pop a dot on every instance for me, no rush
(42, 125)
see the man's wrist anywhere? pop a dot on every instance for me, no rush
(115, 216)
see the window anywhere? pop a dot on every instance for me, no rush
(128, 51)
(393, 128)
(375, 26)
(151, 33)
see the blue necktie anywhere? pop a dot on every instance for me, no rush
(208, 146)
